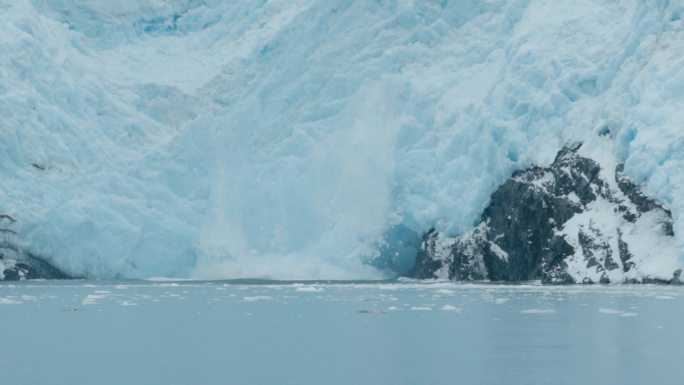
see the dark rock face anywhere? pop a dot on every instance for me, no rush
(32, 267)
(566, 223)
(18, 264)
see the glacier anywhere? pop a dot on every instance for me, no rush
(314, 139)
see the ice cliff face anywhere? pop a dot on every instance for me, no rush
(302, 139)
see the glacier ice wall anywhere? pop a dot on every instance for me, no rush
(298, 139)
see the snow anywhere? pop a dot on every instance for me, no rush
(654, 254)
(291, 139)
(498, 251)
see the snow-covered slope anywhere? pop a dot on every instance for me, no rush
(298, 139)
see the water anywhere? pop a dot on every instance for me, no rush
(243, 333)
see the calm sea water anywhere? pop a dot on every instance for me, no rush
(183, 333)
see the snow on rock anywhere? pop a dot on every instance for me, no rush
(571, 222)
(303, 139)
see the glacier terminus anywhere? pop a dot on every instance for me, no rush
(324, 139)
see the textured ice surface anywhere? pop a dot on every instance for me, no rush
(300, 138)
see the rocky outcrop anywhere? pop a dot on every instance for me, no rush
(571, 222)
(18, 264)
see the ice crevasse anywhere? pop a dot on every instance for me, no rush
(314, 139)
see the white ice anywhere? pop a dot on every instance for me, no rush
(298, 139)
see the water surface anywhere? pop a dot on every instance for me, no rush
(255, 332)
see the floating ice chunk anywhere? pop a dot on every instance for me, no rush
(92, 299)
(452, 308)
(445, 292)
(610, 311)
(421, 308)
(8, 301)
(617, 312)
(538, 311)
(257, 298)
(309, 289)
